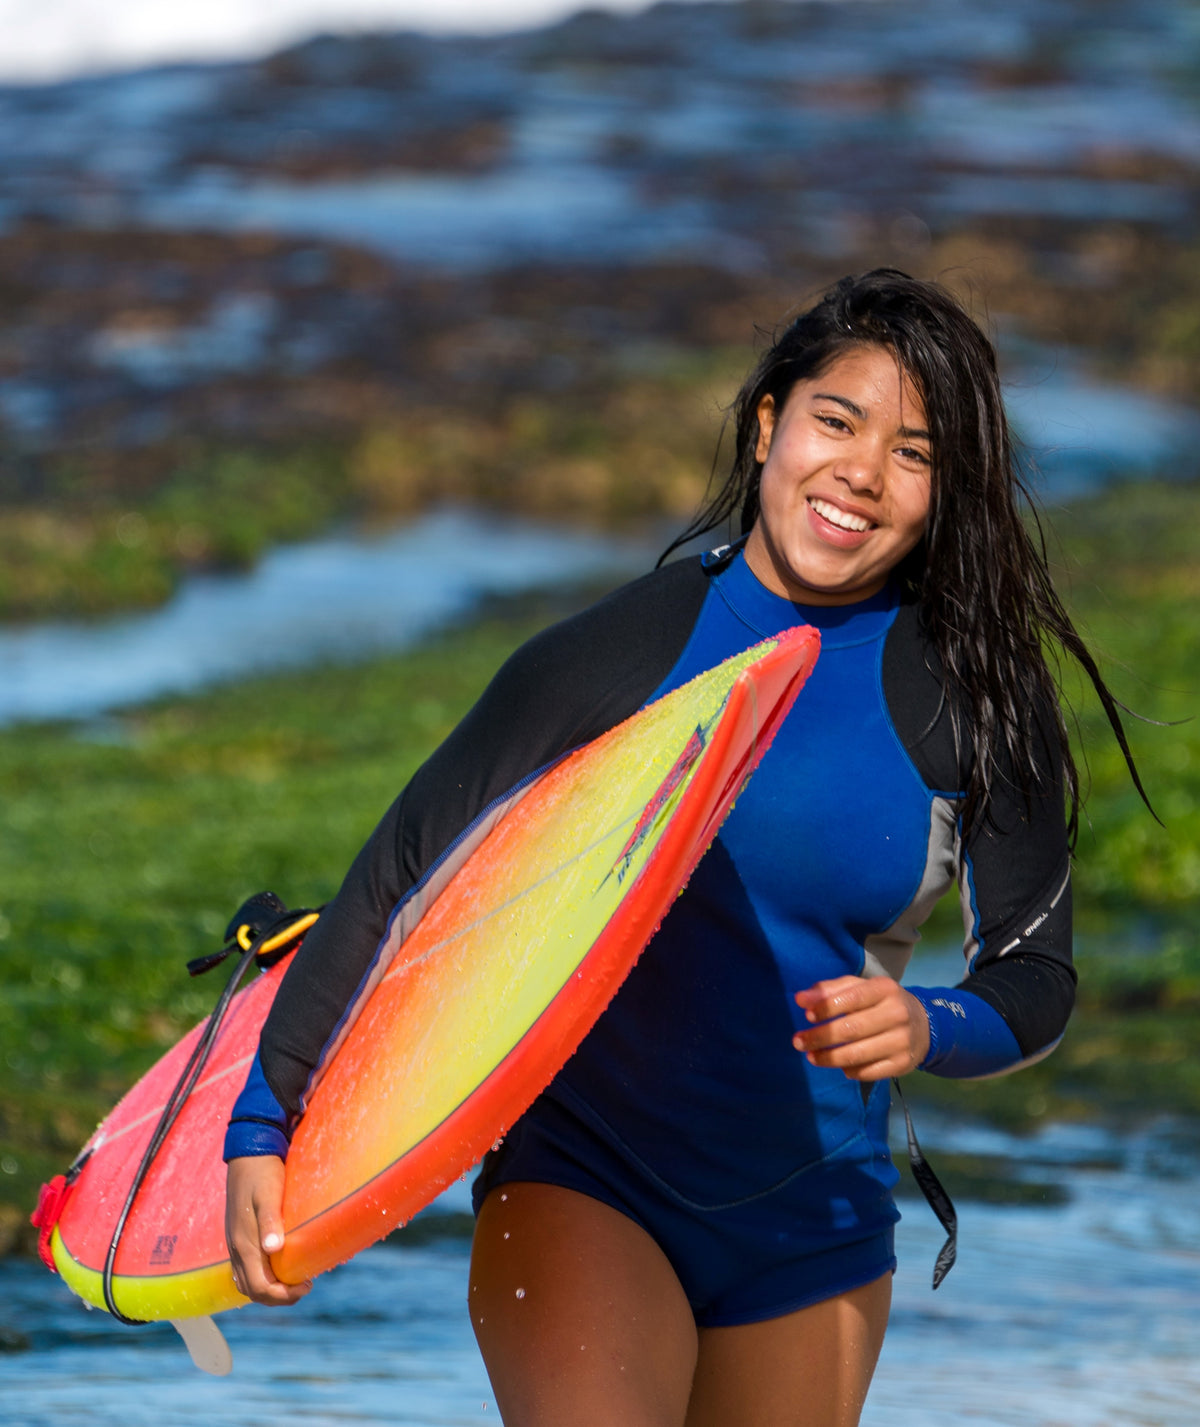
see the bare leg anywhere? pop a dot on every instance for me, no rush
(811, 1368)
(579, 1316)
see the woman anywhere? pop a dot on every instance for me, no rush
(693, 1224)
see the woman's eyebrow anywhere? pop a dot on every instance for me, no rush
(844, 401)
(911, 433)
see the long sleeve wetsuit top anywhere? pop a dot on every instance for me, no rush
(836, 851)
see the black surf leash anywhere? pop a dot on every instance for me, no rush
(262, 931)
(935, 1194)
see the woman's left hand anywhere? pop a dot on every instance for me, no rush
(869, 1028)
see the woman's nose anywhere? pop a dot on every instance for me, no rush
(861, 467)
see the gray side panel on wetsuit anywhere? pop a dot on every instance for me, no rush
(888, 951)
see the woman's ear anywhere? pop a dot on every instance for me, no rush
(766, 428)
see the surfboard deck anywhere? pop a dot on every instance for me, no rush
(494, 987)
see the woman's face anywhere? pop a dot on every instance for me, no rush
(845, 481)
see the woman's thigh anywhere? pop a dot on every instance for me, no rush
(579, 1316)
(810, 1368)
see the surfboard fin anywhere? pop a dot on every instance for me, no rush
(206, 1345)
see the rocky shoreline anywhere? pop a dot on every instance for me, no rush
(525, 271)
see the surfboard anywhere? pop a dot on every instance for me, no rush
(491, 989)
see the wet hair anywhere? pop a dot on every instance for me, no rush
(980, 573)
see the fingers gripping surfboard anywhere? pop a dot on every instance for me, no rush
(487, 994)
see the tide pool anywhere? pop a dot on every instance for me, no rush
(338, 598)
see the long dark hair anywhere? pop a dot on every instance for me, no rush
(980, 573)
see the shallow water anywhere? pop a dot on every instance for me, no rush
(1080, 1314)
(1081, 431)
(336, 598)
(386, 1340)
(553, 212)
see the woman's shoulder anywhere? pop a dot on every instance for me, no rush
(931, 718)
(641, 623)
(918, 700)
(673, 592)
(596, 667)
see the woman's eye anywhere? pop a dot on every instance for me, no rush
(835, 422)
(911, 453)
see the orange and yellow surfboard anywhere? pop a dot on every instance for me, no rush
(490, 992)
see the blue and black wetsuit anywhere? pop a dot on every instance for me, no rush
(764, 1179)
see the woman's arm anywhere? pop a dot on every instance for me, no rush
(1014, 881)
(1011, 1009)
(559, 691)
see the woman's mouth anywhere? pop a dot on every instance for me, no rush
(855, 524)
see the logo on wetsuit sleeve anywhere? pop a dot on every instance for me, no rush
(954, 1007)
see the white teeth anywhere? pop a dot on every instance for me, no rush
(841, 518)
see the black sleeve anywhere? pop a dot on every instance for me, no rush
(563, 688)
(1017, 905)
(1014, 866)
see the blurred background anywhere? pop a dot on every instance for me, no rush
(341, 346)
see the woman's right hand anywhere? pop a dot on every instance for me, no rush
(254, 1229)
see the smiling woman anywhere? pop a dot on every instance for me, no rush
(692, 1225)
(844, 494)
(927, 405)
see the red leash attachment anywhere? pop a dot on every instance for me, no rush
(52, 1200)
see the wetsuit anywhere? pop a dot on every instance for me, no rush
(764, 1179)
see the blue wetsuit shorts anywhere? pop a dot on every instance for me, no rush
(739, 1262)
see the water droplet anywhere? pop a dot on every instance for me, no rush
(520, 1293)
(497, 1143)
(504, 1199)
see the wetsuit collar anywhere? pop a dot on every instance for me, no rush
(769, 613)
